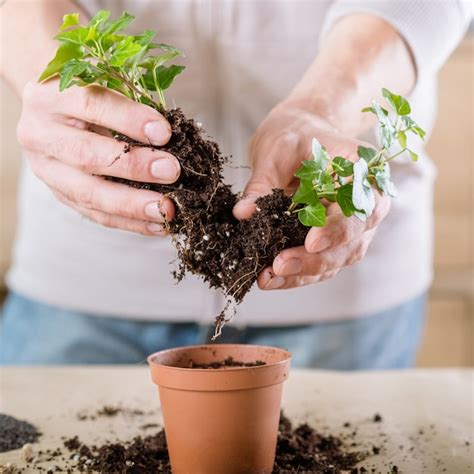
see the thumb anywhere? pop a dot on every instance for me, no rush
(258, 185)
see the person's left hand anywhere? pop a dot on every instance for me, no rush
(277, 149)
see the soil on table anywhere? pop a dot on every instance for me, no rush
(222, 364)
(15, 433)
(300, 449)
(210, 241)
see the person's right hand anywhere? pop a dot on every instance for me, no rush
(55, 131)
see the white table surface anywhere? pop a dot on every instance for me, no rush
(409, 401)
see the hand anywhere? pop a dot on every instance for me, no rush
(279, 145)
(56, 129)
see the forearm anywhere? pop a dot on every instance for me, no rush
(27, 35)
(360, 55)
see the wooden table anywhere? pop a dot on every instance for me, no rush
(437, 402)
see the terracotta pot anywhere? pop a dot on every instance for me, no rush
(221, 421)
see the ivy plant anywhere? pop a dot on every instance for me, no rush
(100, 53)
(352, 185)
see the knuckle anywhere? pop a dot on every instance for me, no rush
(319, 267)
(35, 166)
(85, 159)
(25, 133)
(358, 253)
(135, 166)
(93, 104)
(101, 218)
(288, 139)
(85, 197)
(129, 207)
(343, 233)
(30, 92)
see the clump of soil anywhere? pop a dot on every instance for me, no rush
(222, 364)
(305, 450)
(109, 411)
(300, 449)
(225, 252)
(15, 433)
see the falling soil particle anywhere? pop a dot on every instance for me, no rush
(15, 433)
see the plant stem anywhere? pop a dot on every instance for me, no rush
(396, 154)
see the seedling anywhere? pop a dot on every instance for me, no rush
(351, 184)
(99, 54)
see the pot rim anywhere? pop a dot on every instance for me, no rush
(286, 353)
(221, 379)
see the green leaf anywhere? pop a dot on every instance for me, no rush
(120, 24)
(413, 155)
(308, 170)
(70, 70)
(326, 186)
(363, 196)
(145, 38)
(99, 18)
(320, 155)
(124, 51)
(384, 182)
(368, 109)
(109, 40)
(77, 36)
(365, 153)
(71, 19)
(402, 139)
(344, 199)
(92, 35)
(387, 130)
(313, 215)
(305, 193)
(342, 167)
(153, 62)
(398, 103)
(413, 127)
(165, 75)
(65, 53)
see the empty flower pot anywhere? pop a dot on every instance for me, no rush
(222, 420)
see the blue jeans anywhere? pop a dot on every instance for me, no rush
(35, 333)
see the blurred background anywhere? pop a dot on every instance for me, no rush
(449, 332)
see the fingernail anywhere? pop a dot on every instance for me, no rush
(157, 132)
(292, 266)
(155, 228)
(321, 244)
(165, 169)
(153, 211)
(275, 282)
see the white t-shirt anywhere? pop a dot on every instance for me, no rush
(242, 57)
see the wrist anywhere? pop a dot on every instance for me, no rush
(351, 69)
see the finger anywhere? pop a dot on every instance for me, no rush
(97, 154)
(115, 222)
(107, 108)
(297, 261)
(267, 280)
(340, 230)
(95, 193)
(272, 169)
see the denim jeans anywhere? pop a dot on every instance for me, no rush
(35, 333)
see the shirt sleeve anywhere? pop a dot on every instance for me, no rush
(432, 29)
